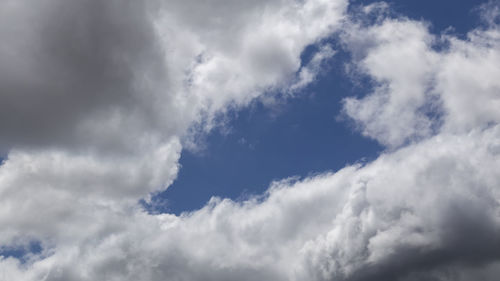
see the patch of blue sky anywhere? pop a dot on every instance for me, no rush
(21, 252)
(304, 135)
(455, 17)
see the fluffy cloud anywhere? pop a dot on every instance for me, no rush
(422, 89)
(395, 111)
(98, 98)
(428, 210)
(122, 82)
(105, 94)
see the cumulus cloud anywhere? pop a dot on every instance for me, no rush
(105, 93)
(430, 209)
(124, 81)
(425, 83)
(97, 99)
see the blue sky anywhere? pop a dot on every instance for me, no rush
(460, 15)
(303, 136)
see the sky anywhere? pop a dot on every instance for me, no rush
(249, 140)
(303, 136)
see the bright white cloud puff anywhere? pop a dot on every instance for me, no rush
(99, 98)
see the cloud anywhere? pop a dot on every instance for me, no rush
(77, 75)
(310, 71)
(425, 210)
(106, 93)
(394, 112)
(108, 83)
(421, 90)
(99, 98)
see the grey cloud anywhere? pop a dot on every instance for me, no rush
(65, 63)
(443, 216)
(96, 97)
(469, 240)
(96, 100)
(77, 75)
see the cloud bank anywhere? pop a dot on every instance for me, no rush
(99, 98)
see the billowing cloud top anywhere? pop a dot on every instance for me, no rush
(98, 98)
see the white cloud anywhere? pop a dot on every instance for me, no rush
(399, 58)
(434, 201)
(419, 90)
(427, 210)
(310, 71)
(98, 97)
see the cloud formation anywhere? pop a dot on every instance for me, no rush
(425, 83)
(101, 96)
